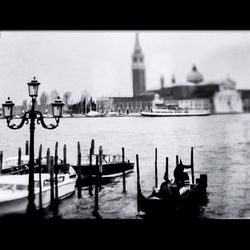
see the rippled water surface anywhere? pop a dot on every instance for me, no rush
(221, 150)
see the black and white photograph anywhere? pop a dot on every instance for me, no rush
(125, 125)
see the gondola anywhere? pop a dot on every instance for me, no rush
(173, 200)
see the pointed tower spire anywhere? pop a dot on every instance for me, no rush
(137, 43)
(138, 69)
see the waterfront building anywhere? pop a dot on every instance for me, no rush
(194, 93)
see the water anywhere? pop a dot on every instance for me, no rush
(221, 150)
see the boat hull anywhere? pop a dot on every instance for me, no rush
(152, 114)
(108, 169)
(186, 204)
(20, 205)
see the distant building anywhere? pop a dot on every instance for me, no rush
(245, 97)
(195, 93)
(219, 97)
(141, 100)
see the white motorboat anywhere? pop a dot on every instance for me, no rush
(13, 161)
(14, 191)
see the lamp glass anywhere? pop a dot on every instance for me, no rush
(33, 88)
(7, 111)
(8, 108)
(57, 108)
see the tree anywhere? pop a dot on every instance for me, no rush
(44, 98)
(53, 95)
(66, 97)
(25, 105)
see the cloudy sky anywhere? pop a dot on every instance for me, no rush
(100, 62)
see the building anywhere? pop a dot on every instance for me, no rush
(195, 93)
(219, 97)
(141, 100)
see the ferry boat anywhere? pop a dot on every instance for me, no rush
(161, 109)
(14, 191)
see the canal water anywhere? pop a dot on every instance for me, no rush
(221, 150)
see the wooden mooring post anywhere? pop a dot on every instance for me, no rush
(93, 146)
(166, 170)
(138, 182)
(123, 172)
(56, 170)
(192, 164)
(177, 160)
(156, 173)
(51, 171)
(1, 161)
(40, 179)
(79, 158)
(27, 148)
(98, 179)
(90, 176)
(65, 158)
(19, 156)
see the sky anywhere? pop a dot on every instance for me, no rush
(99, 62)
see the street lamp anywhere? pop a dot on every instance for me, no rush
(31, 116)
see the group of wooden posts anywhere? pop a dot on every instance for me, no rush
(97, 180)
(53, 169)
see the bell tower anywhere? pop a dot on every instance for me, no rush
(138, 69)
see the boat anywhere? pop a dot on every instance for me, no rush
(12, 162)
(112, 167)
(177, 111)
(95, 114)
(174, 201)
(11, 167)
(14, 191)
(161, 109)
(175, 198)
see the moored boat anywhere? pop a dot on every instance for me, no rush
(112, 167)
(14, 191)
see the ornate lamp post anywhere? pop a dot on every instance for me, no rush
(31, 116)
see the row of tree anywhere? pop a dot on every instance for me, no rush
(85, 104)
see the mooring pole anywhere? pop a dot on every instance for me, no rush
(123, 172)
(27, 148)
(1, 161)
(40, 178)
(156, 173)
(98, 179)
(177, 160)
(19, 156)
(138, 183)
(93, 146)
(52, 197)
(166, 171)
(79, 157)
(56, 170)
(65, 158)
(90, 176)
(192, 164)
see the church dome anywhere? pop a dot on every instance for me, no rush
(195, 76)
